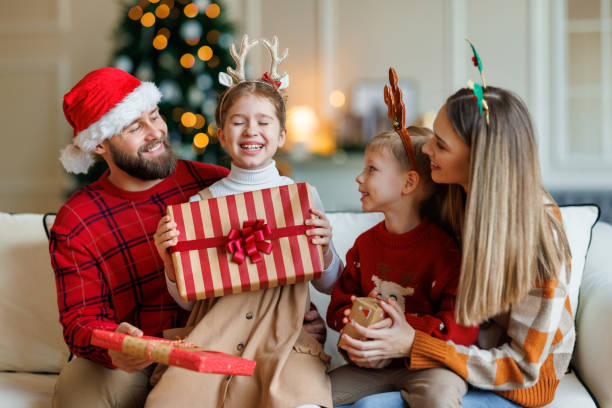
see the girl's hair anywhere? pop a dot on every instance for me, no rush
(510, 238)
(257, 88)
(430, 206)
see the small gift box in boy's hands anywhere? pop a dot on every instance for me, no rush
(365, 311)
(176, 353)
(244, 242)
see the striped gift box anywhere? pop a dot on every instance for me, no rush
(244, 242)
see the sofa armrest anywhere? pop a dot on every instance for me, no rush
(593, 352)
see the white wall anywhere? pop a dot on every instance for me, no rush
(46, 46)
(416, 37)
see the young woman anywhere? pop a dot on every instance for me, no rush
(514, 272)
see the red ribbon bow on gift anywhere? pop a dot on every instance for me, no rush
(267, 78)
(249, 241)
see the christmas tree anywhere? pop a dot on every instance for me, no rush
(181, 46)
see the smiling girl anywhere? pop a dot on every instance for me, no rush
(264, 325)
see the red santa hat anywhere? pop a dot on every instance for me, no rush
(99, 106)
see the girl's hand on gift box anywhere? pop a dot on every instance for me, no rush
(321, 233)
(387, 339)
(127, 362)
(166, 237)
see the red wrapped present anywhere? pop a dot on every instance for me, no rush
(244, 242)
(176, 353)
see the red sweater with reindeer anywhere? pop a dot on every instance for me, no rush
(419, 268)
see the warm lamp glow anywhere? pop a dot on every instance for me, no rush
(336, 99)
(302, 123)
(427, 119)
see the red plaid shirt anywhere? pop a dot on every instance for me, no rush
(107, 269)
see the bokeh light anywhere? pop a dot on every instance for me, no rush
(148, 19)
(160, 42)
(190, 10)
(187, 60)
(201, 140)
(188, 119)
(302, 123)
(165, 32)
(337, 99)
(162, 11)
(212, 129)
(192, 41)
(200, 121)
(212, 36)
(213, 11)
(214, 62)
(205, 53)
(135, 13)
(153, 1)
(177, 113)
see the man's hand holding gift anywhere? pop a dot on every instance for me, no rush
(126, 362)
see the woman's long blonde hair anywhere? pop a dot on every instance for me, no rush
(510, 238)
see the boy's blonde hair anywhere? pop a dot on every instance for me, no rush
(432, 198)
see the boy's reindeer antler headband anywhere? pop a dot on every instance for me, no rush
(396, 110)
(237, 75)
(480, 91)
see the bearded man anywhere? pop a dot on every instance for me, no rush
(107, 271)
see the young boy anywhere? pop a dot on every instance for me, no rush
(409, 259)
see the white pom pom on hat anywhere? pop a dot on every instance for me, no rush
(99, 106)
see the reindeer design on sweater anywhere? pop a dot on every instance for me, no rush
(388, 289)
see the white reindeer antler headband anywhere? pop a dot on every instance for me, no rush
(237, 75)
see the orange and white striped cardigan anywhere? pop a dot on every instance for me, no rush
(521, 355)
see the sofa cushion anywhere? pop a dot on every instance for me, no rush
(593, 351)
(25, 390)
(578, 221)
(346, 227)
(32, 336)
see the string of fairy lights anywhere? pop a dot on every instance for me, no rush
(156, 16)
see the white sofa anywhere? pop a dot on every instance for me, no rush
(32, 350)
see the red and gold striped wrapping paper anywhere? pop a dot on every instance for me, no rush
(210, 272)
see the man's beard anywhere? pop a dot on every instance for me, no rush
(142, 168)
